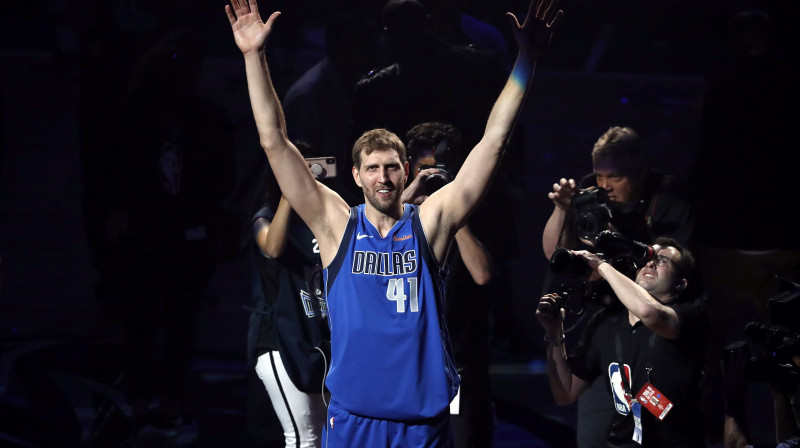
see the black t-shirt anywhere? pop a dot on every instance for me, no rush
(610, 342)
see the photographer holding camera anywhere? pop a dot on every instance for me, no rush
(785, 396)
(639, 202)
(771, 357)
(650, 350)
(624, 195)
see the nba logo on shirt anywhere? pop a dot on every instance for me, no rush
(621, 402)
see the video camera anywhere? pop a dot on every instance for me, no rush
(592, 212)
(574, 298)
(777, 343)
(626, 255)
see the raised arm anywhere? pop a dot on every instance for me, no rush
(271, 236)
(448, 209)
(322, 209)
(476, 257)
(556, 234)
(658, 317)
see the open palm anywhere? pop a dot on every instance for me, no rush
(249, 31)
(535, 32)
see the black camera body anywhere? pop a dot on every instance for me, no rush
(626, 255)
(575, 298)
(438, 179)
(592, 212)
(612, 245)
(445, 159)
(564, 261)
(777, 343)
(771, 360)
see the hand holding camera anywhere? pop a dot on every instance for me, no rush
(550, 313)
(624, 254)
(593, 212)
(426, 182)
(322, 167)
(591, 259)
(437, 177)
(776, 356)
(562, 193)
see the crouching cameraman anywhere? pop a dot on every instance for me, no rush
(771, 357)
(734, 392)
(649, 351)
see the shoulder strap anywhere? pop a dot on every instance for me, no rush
(618, 349)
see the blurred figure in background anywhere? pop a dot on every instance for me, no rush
(318, 105)
(173, 153)
(746, 233)
(770, 356)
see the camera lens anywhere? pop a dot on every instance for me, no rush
(588, 225)
(434, 182)
(318, 170)
(565, 261)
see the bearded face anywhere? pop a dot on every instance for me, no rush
(382, 177)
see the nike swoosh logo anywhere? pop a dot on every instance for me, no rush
(361, 237)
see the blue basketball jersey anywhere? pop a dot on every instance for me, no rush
(390, 350)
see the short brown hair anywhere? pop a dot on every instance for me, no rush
(377, 139)
(624, 146)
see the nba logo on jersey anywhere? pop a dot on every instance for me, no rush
(621, 402)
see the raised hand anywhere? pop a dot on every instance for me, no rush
(593, 260)
(562, 193)
(414, 193)
(533, 36)
(249, 31)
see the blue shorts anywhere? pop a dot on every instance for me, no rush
(346, 430)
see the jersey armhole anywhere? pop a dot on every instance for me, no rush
(344, 245)
(427, 252)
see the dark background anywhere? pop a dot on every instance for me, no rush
(613, 62)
